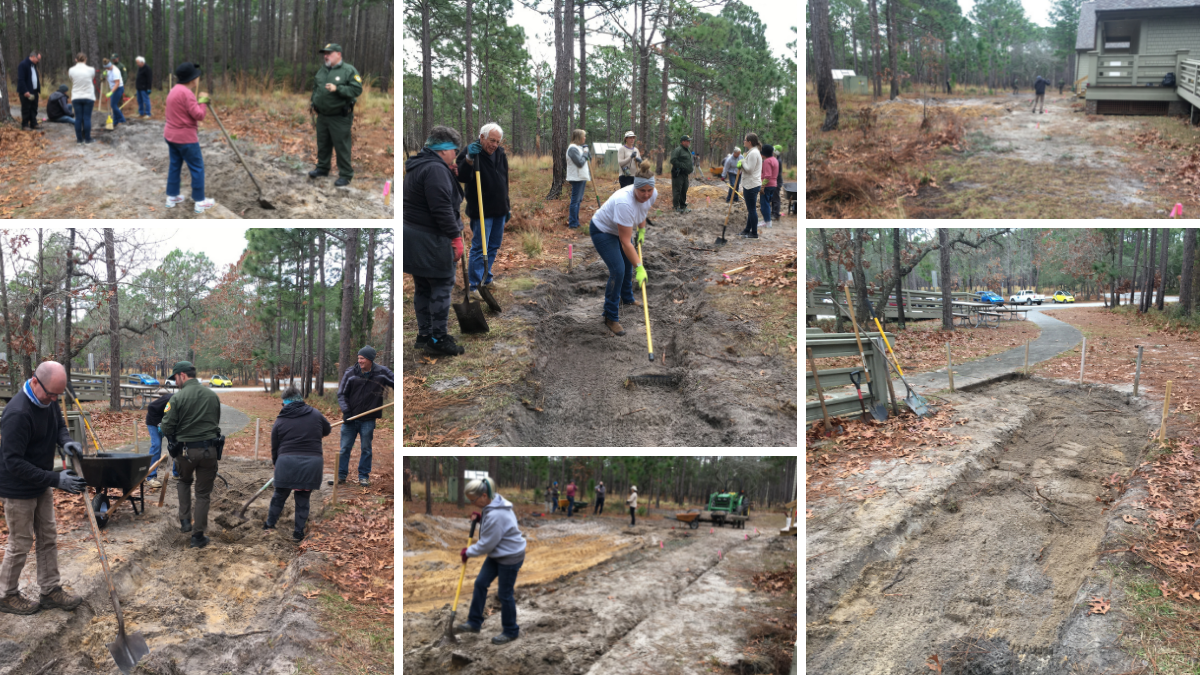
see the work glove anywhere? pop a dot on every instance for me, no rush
(639, 274)
(474, 149)
(464, 556)
(641, 235)
(476, 517)
(739, 163)
(203, 100)
(457, 243)
(72, 449)
(69, 481)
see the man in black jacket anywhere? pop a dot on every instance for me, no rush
(361, 389)
(31, 426)
(487, 157)
(143, 87)
(154, 415)
(28, 87)
(433, 237)
(1039, 100)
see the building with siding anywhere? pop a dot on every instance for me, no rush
(1124, 49)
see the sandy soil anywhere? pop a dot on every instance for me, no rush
(124, 173)
(741, 397)
(971, 561)
(235, 606)
(664, 602)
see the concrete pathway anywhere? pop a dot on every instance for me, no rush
(1056, 337)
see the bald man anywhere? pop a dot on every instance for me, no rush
(30, 427)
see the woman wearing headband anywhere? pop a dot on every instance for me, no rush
(612, 234)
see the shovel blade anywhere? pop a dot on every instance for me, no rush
(127, 650)
(917, 404)
(879, 412)
(448, 637)
(470, 317)
(489, 299)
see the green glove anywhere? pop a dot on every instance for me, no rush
(202, 100)
(639, 275)
(739, 163)
(641, 235)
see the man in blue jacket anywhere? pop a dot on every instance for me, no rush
(500, 539)
(28, 86)
(1039, 100)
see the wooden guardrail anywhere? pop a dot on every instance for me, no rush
(917, 304)
(1186, 78)
(832, 345)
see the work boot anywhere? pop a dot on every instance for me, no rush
(474, 295)
(503, 639)
(465, 628)
(199, 540)
(615, 327)
(185, 525)
(443, 345)
(297, 536)
(60, 599)
(154, 483)
(317, 173)
(342, 480)
(422, 340)
(267, 525)
(18, 604)
(341, 182)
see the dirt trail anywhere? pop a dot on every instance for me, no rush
(648, 610)
(123, 174)
(978, 567)
(235, 606)
(734, 389)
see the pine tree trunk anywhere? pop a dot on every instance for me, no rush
(429, 486)
(346, 351)
(369, 289)
(321, 326)
(114, 322)
(386, 75)
(1148, 288)
(171, 31)
(893, 50)
(1185, 277)
(564, 11)
(467, 68)
(1162, 266)
(5, 113)
(582, 66)
(209, 69)
(662, 106)
(823, 51)
(426, 72)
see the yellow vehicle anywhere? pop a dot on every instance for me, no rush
(1063, 296)
(220, 381)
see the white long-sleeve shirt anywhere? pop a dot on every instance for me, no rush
(752, 169)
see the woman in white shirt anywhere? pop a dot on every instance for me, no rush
(83, 97)
(612, 235)
(751, 184)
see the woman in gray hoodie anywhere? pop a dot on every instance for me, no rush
(500, 539)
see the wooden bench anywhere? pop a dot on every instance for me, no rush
(964, 319)
(993, 316)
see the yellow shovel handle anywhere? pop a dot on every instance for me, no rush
(895, 359)
(461, 576)
(482, 222)
(646, 311)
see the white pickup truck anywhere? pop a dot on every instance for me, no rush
(1026, 298)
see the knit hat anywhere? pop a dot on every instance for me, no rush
(367, 353)
(186, 72)
(62, 88)
(768, 151)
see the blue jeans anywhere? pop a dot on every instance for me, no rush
(356, 428)
(65, 119)
(508, 604)
(495, 235)
(190, 153)
(83, 118)
(732, 193)
(115, 102)
(155, 447)
(570, 506)
(620, 272)
(767, 197)
(577, 189)
(751, 195)
(143, 97)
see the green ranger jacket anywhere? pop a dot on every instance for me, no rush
(681, 161)
(193, 414)
(349, 88)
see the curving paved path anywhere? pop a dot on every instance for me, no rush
(232, 421)
(1056, 337)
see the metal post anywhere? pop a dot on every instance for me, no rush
(1137, 375)
(1027, 358)
(135, 439)
(257, 427)
(1162, 429)
(950, 366)
(1082, 360)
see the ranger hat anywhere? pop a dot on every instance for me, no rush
(330, 47)
(182, 367)
(685, 138)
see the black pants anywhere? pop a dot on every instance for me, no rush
(199, 466)
(599, 507)
(29, 112)
(277, 501)
(431, 300)
(632, 516)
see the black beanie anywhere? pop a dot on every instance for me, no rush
(367, 353)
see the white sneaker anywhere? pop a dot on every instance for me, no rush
(172, 201)
(154, 483)
(205, 205)
(475, 295)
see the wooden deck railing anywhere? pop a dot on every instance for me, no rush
(1186, 77)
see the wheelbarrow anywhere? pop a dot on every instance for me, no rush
(692, 518)
(792, 196)
(562, 505)
(123, 471)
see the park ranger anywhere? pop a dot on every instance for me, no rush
(338, 86)
(191, 425)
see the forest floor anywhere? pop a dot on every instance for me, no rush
(123, 174)
(253, 601)
(991, 157)
(596, 595)
(549, 373)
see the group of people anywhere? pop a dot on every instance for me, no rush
(757, 174)
(32, 426)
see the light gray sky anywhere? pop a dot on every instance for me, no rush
(1037, 11)
(223, 244)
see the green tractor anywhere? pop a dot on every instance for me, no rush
(728, 507)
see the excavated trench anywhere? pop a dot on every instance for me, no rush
(234, 606)
(731, 388)
(993, 575)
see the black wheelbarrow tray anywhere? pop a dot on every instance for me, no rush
(122, 471)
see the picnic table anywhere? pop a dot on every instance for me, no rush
(975, 313)
(1013, 311)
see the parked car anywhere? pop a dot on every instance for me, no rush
(1063, 296)
(221, 381)
(988, 297)
(1027, 297)
(142, 378)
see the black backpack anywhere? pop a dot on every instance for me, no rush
(1168, 80)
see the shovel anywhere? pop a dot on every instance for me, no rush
(470, 314)
(449, 638)
(721, 241)
(812, 364)
(878, 410)
(915, 401)
(242, 514)
(262, 201)
(487, 268)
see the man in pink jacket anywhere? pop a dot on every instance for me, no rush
(183, 114)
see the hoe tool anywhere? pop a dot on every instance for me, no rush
(487, 268)
(915, 401)
(470, 314)
(449, 638)
(653, 379)
(242, 514)
(262, 201)
(721, 241)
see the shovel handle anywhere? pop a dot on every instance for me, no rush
(463, 574)
(646, 311)
(235, 150)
